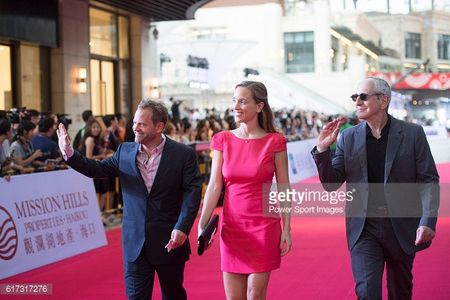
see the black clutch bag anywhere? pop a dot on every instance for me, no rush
(206, 238)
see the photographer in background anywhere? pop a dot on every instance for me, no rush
(5, 135)
(42, 141)
(14, 116)
(24, 154)
(62, 118)
(33, 115)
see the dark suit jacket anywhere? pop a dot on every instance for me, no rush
(172, 203)
(408, 161)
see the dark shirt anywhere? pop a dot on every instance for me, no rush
(111, 142)
(376, 157)
(175, 108)
(48, 147)
(78, 137)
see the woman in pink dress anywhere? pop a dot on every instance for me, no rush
(245, 160)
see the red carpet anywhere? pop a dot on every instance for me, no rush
(317, 268)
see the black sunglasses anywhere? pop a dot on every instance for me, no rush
(363, 96)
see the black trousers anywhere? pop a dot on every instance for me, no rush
(140, 275)
(376, 247)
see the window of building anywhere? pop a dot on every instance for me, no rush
(339, 54)
(443, 46)
(299, 51)
(334, 53)
(441, 5)
(345, 56)
(33, 88)
(393, 7)
(25, 77)
(412, 45)
(109, 44)
(5, 82)
(103, 87)
(123, 37)
(389, 67)
(371, 64)
(210, 33)
(125, 87)
(421, 5)
(102, 33)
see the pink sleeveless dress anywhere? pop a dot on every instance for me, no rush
(249, 240)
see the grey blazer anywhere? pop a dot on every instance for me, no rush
(411, 181)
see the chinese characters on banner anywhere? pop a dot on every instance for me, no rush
(46, 217)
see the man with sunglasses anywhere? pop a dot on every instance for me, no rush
(387, 165)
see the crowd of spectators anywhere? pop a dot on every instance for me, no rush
(194, 125)
(28, 141)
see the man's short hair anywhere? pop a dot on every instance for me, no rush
(158, 109)
(5, 126)
(25, 125)
(32, 113)
(381, 86)
(86, 115)
(45, 124)
(108, 119)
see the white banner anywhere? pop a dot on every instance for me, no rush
(46, 217)
(435, 131)
(300, 161)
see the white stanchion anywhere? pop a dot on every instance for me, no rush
(300, 161)
(435, 132)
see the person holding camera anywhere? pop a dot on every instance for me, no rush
(24, 154)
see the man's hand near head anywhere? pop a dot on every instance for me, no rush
(64, 142)
(328, 134)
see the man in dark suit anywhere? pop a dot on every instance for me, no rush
(388, 166)
(175, 109)
(161, 187)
